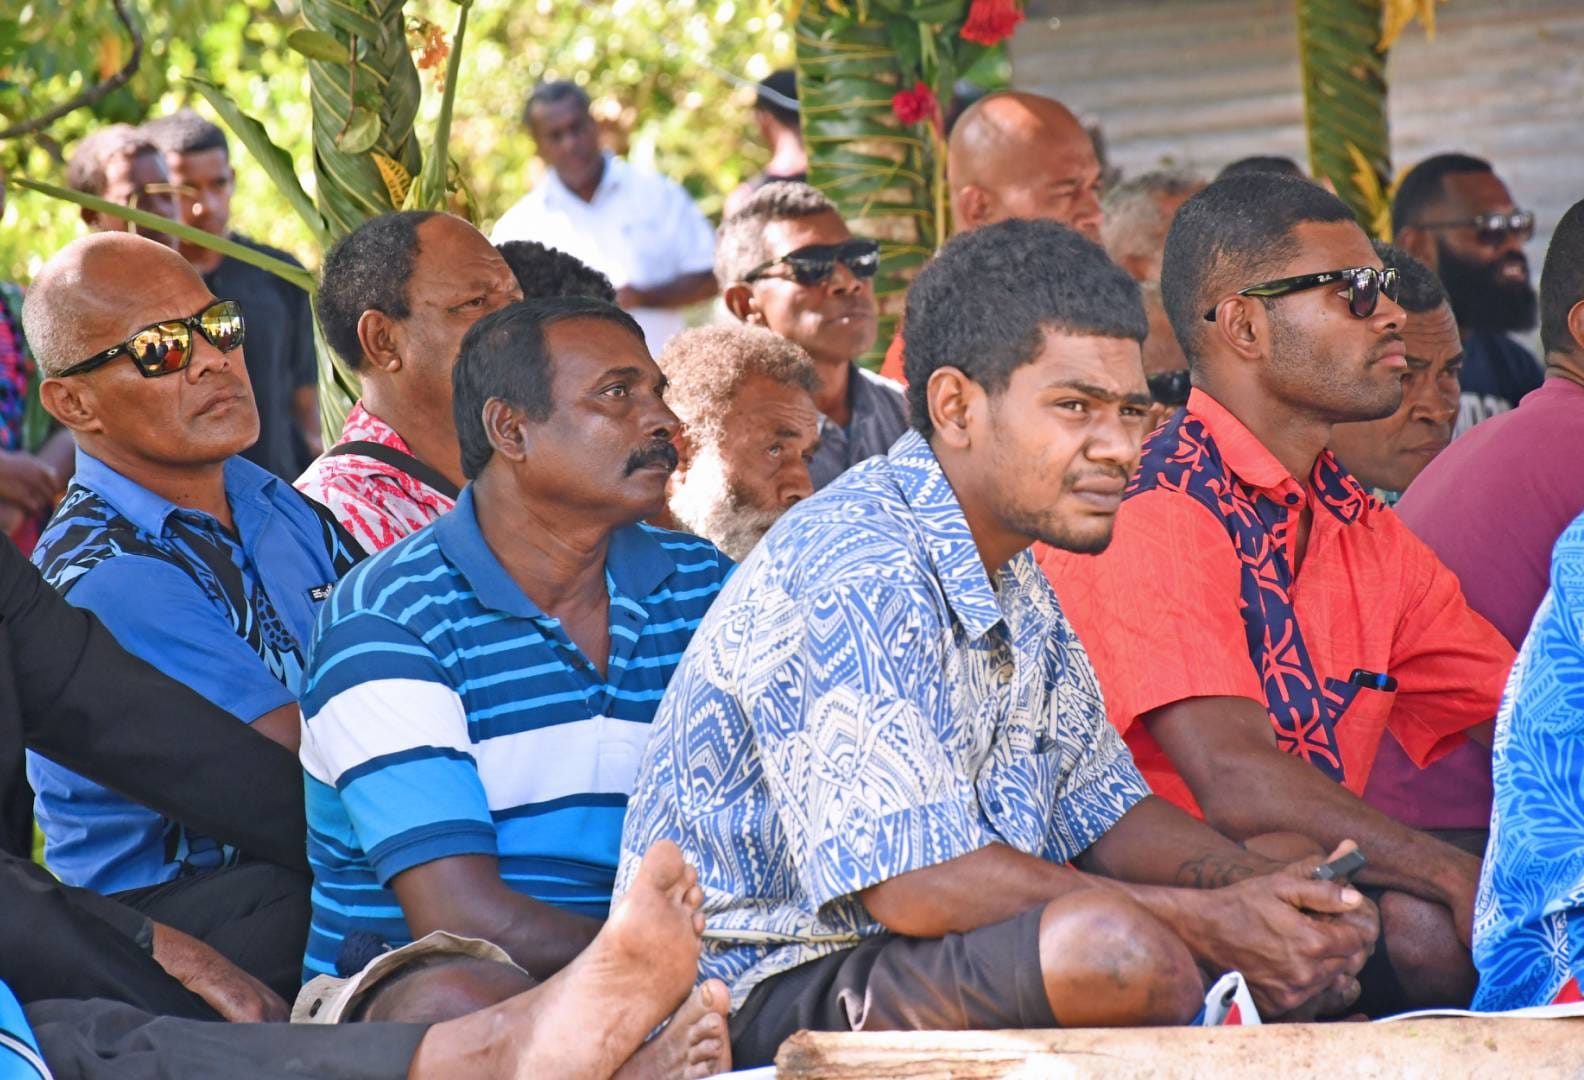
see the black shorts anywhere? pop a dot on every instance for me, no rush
(986, 979)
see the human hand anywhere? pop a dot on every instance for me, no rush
(230, 991)
(1459, 892)
(27, 481)
(1298, 942)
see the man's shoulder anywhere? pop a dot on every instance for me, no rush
(387, 582)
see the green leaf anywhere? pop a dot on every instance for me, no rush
(318, 45)
(282, 269)
(362, 131)
(348, 18)
(277, 163)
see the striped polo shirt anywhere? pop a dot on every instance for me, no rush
(445, 714)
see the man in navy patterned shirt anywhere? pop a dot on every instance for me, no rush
(885, 744)
(198, 561)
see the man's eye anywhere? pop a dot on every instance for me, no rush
(1135, 411)
(619, 390)
(774, 451)
(1073, 405)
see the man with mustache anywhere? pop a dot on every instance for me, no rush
(198, 561)
(480, 696)
(749, 431)
(1259, 620)
(787, 261)
(395, 297)
(1454, 213)
(885, 746)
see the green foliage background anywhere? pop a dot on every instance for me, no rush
(653, 68)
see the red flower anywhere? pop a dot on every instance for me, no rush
(916, 105)
(991, 21)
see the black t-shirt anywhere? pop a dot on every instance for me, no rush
(1497, 373)
(280, 354)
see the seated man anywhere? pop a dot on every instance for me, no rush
(1492, 506)
(1259, 620)
(786, 261)
(545, 271)
(586, 1021)
(197, 561)
(749, 429)
(885, 742)
(395, 297)
(480, 693)
(1385, 455)
(1529, 937)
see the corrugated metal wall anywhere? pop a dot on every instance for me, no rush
(1198, 83)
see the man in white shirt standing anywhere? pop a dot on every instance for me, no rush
(638, 228)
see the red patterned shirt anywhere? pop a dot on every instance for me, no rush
(378, 503)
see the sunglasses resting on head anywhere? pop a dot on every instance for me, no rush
(814, 264)
(166, 347)
(1364, 285)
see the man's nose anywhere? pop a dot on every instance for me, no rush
(796, 483)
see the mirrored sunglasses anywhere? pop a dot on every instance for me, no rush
(166, 347)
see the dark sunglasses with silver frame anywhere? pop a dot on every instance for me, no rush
(166, 347)
(1492, 229)
(1365, 284)
(814, 264)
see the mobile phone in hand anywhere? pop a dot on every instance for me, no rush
(1341, 868)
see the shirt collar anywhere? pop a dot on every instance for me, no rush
(635, 562)
(948, 542)
(1252, 462)
(610, 180)
(146, 510)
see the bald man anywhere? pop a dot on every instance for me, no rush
(199, 562)
(1017, 155)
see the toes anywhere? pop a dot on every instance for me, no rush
(715, 996)
(698, 922)
(694, 896)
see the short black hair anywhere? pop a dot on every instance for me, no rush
(548, 271)
(367, 270)
(1424, 184)
(504, 355)
(1263, 163)
(1233, 234)
(1418, 289)
(984, 303)
(1562, 282)
(185, 132)
(552, 93)
(782, 87)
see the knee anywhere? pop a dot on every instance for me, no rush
(1108, 962)
(1426, 953)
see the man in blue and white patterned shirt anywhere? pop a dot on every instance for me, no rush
(885, 741)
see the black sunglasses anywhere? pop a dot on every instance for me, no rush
(813, 265)
(1170, 387)
(1492, 229)
(166, 347)
(1364, 287)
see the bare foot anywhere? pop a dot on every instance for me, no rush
(694, 1044)
(591, 1016)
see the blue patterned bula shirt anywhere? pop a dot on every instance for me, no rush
(862, 700)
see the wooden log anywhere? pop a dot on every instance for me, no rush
(1429, 1049)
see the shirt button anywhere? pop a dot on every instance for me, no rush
(1293, 498)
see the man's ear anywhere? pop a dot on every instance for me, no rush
(954, 400)
(69, 402)
(973, 207)
(379, 335)
(504, 427)
(683, 443)
(739, 300)
(1419, 243)
(1575, 325)
(1242, 325)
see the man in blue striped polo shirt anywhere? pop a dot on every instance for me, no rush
(479, 695)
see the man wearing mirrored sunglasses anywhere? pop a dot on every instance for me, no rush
(198, 561)
(1454, 213)
(1260, 620)
(788, 262)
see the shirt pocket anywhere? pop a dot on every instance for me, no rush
(1359, 726)
(621, 745)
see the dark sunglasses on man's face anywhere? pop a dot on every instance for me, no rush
(1364, 287)
(813, 265)
(1492, 229)
(164, 348)
(1170, 387)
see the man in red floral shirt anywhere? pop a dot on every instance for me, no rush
(395, 298)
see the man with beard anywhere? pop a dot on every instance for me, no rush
(787, 261)
(885, 746)
(479, 698)
(1259, 620)
(749, 429)
(1454, 214)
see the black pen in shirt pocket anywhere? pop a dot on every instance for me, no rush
(1373, 680)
